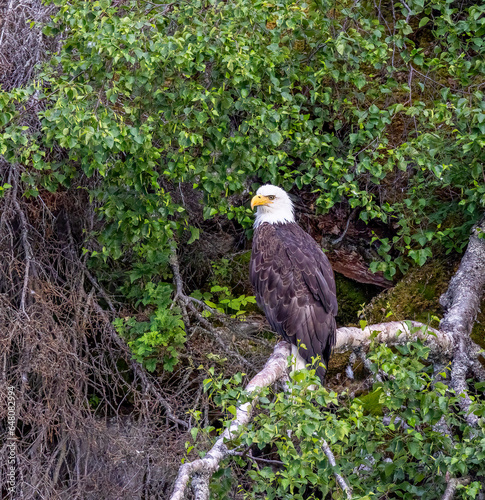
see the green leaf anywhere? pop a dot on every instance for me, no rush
(275, 138)
(109, 141)
(415, 449)
(423, 21)
(194, 234)
(418, 59)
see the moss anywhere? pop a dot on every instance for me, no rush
(352, 297)
(478, 332)
(416, 297)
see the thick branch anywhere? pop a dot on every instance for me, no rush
(453, 483)
(440, 343)
(461, 303)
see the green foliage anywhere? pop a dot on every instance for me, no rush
(399, 440)
(226, 95)
(3, 189)
(159, 338)
(222, 300)
(222, 296)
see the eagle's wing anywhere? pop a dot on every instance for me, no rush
(295, 287)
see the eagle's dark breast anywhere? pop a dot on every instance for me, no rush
(295, 287)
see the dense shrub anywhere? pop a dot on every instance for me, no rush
(405, 438)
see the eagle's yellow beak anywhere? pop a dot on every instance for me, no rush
(259, 200)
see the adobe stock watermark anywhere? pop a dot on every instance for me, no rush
(11, 441)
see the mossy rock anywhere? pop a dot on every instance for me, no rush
(416, 297)
(352, 297)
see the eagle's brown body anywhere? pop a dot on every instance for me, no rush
(295, 287)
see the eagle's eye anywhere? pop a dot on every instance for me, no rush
(271, 196)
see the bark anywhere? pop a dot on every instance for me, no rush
(331, 458)
(453, 484)
(393, 333)
(461, 303)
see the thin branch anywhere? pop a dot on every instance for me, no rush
(25, 241)
(188, 303)
(212, 332)
(342, 236)
(409, 10)
(90, 277)
(180, 296)
(5, 23)
(255, 459)
(331, 458)
(453, 483)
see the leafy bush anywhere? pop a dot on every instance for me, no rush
(405, 438)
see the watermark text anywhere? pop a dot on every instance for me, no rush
(11, 441)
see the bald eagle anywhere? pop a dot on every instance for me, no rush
(292, 279)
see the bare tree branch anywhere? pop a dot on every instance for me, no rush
(22, 44)
(451, 488)
(28, 254)
(393, 333)
(331, 458)
(187, 303)
(461, 301)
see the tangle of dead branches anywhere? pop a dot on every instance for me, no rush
(22, 44)
(88, 418)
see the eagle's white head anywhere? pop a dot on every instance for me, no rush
(274, 205)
